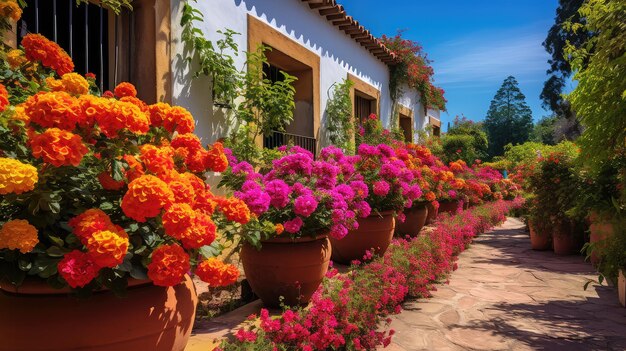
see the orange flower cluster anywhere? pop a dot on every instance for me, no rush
(172, 118)
(158, 160)
(146, 197)
(58, 147)
(10, 9)
(18, 234)
(16, 177)
(108, 248)
(4, 98)
(125, 89)
(117, 115)
(56, 109)
(234, 209)
(169, 265)
(216, 159)
(38, 48)
(72, 83)
(217, 273)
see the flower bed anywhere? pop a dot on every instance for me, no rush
(347, 310)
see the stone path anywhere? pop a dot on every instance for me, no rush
(504, 296)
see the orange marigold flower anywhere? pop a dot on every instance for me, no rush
(122, 115)
(169, 265)
(108, 183)
(75, 84)
(94, 108)
(234, 209)
(178, 219)
(18, 234)
(4, 98)
(135, 168)
(16, 58)
(216, 159)
(58, 147)
(199, 186)
(181, 187)
(279, 229)
(10, 9)
(158, 113)
(89, 222)
(38, 48)
(20, 115)
(137, 102)
(430, 196)
(158, 160)
(188, 141)
(201, 233)
(146, 197)
(107, 248)
(205, 202)
(125, 89)
(16, 177)
(56, 109)
(171, 118)
(78, 269)
(217, 273)
(196, 160)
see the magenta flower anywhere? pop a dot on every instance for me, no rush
(305, 205)
(278, 191)
(293, 226)
(381, 188)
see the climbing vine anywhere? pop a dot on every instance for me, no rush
(412, 69)
(339, 116)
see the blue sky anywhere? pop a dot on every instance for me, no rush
(474, 45)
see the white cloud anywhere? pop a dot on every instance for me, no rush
(481, 59)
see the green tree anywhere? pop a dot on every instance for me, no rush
(544, 130)
(339, 116)
(599, 66)
(466, 140)
(509, 119)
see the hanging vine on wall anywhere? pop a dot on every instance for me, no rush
(339, 116)
(412, 69)
(214, 59)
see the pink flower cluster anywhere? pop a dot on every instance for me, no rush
(348, 309)
(304, 195)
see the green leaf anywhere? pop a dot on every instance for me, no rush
(117, 170)
(139, 272)
(212, 250)
(56, 240)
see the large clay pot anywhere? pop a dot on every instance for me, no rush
(432, 213)
(539, 239)
(565, 239)
(599, 232)
(38, 318)
(289, 268)
(414, 221)
(621, 287)
(451, 207)
(374, 234)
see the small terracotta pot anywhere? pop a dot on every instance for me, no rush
(39, 318)
(432, 213)
(621, 287)
(451, 207)
(599, 232)
(565, 240)
(287, 268)
(539, 241)
(414, 222)
(374, 234)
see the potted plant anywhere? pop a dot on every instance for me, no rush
(102, 196)
(420, 158)
(296, 205)
(391, 188)
(416, 215)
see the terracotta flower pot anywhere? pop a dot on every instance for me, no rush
(38, 318)
(599, 232)
(374, 234)
(451, 207)
(565, 240)
(292, 269)
(432, 213)
(621, 287)
(414, 222)
(539, 239)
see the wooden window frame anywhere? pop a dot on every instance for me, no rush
(407, 113)
(360, 87)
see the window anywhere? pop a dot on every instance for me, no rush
(406, 127)
(365, 99)
(90, 34)
(363, 107)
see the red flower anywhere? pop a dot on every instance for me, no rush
(78, 269)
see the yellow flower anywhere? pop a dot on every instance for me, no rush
(74, 83)
(20, 114)
(10, 9)
(16, 58)
(16, 177)
(107, 248)
(18, 234)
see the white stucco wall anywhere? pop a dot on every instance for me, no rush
(339, 54)
(410, 98)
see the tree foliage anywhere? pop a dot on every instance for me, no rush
(544, 130)
(599, 66)
(509, 119)
(560, 69)
(465, 140)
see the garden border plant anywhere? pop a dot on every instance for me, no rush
(347, 310)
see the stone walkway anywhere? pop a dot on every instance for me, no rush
(504, 296)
